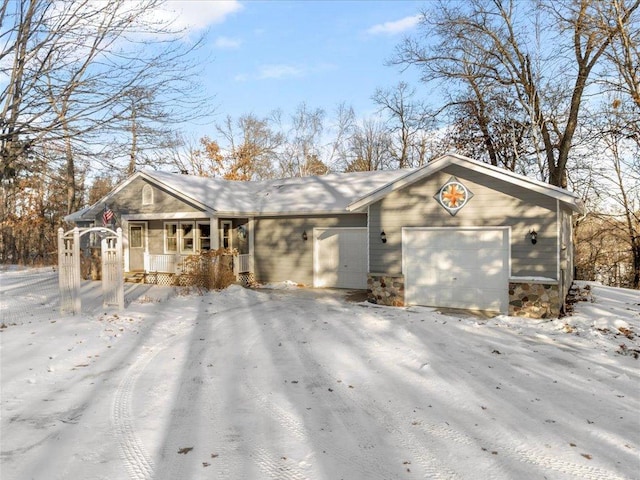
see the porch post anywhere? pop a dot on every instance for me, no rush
(250, 238)
(215, 233)
(119, 270)
(125, 243)
(77, 301)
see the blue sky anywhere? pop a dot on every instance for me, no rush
(266, 55)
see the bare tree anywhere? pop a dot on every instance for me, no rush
(342, 130)
(370, 147)
(543, 52)
(407, 119)
(80, 70)
(624, 54)
(301, 151)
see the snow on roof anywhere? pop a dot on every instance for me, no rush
(330, 193)
(565, 196)
(315, 195)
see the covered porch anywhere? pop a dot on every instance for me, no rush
(163, 247)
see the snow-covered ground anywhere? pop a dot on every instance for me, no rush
(295, 383)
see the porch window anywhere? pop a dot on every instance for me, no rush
(204, 237)
(187, 238)
(227, 228)
(170, 237)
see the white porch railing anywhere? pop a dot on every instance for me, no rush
(173, 263)
(163, 263)
(242, 263)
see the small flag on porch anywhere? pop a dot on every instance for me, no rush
(107, 216)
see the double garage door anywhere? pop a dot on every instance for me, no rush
(456, 267)
(340, 257)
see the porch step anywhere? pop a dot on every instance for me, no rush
(136, 277)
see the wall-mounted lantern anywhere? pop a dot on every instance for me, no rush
(383, 237)
(533, 236)
(304, 235)
(242, 232)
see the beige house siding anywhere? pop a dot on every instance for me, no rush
(494, 203)
(280, 252)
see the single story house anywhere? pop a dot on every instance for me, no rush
(454, 233)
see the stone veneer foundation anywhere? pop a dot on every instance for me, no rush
(384, 289)
(534, 299)
(529, 299)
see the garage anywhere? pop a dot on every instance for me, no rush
(340, 257)
(456, 267)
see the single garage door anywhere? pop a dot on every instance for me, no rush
(340, 257)
(456, 267)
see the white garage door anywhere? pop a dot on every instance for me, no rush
(340, 257)
(456, 267)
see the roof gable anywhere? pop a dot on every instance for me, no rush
(569, 199)
(93, 210)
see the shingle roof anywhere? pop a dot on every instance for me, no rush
(323, 194)
(330, 193)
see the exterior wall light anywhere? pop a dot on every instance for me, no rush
(304, 235)
(533, 235)
(383, 237)
(242, 232)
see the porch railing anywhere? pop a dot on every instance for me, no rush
(172, 263)
(163, 263)
(242, 263)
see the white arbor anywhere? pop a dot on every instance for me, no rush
(69, 267)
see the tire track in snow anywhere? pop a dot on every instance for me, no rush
(531, 456)
(526, 455)
(136, 459)
(275, 470)
(228, 464)
(265, 460)
(394, 424)
(341, 409)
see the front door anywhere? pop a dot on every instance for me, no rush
(137, 245)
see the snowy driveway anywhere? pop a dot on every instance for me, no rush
(301, 384)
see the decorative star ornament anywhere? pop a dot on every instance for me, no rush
(453, 195)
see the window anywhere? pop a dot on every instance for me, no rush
(227, 228)
(147, 195)
(187, 240)
(179, 237)
(204, 237)
(135, 236)
(170, 237)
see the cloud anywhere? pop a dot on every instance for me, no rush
(279, 71)
(282, 71)
(226, 43)
(395, 27)
(197, 15)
